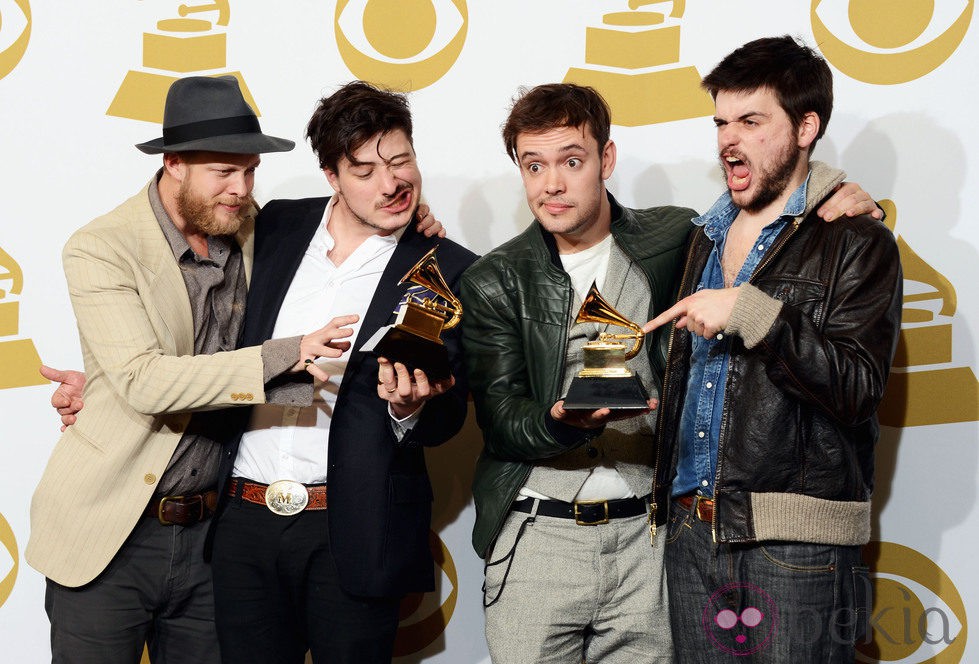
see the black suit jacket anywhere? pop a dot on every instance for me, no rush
(378, 491)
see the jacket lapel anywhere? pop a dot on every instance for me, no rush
(282, 250)
(168, 293)
(409, 251)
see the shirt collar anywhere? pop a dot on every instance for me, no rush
(369, 249)
(721, 215)
(219, 246)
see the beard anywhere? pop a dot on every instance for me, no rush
(200, 212)
(770, 183)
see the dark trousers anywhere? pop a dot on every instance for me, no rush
(768, 602)
(156, 591)
(277, 593)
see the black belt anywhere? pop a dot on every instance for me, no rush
(586, 513)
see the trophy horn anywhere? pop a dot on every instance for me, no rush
(596, 309)
(426, 273)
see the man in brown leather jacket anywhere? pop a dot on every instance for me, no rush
(781, 348)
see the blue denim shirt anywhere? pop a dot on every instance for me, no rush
(700, 422)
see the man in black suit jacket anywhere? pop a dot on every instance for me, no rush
(323, 562)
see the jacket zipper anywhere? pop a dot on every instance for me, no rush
(663, 393)
(773, 252)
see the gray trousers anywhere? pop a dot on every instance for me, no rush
(156, 591)
(578, 593)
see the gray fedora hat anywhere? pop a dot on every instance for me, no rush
(210, 113)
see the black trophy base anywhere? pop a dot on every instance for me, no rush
(415, 352)
(625, 393)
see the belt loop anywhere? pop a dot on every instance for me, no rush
(239, 490)
(533, 509)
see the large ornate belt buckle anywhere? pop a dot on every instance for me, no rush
(286, 497)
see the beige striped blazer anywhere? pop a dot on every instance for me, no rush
(137, 339)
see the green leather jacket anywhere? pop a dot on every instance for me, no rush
(517, 301)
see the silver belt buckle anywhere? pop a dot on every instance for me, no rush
(286, 497)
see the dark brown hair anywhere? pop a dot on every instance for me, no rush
(553, 106)
(799, 77)
(349, 117)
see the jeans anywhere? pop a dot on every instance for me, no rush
(156, 591)
(762, 602)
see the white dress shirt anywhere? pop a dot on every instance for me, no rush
(290, 442)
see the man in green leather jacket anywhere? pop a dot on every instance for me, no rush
(574, 569)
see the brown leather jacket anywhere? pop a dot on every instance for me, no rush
(796, 449)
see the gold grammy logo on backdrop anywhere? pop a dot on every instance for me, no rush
(400, 44)
(15, 32)
(902, 39)
(421, 622)
(633, 60)
(918, 614)
(180, 46)
(18, 357)
(9, 560)
(925, 387)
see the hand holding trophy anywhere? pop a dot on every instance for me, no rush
(414, 338)
(606, 382)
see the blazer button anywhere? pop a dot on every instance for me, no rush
(249, 396)
(149, 478)
(234, 396)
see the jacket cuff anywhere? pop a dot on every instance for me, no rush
(568, 435)
(278, 356)
(753, 315)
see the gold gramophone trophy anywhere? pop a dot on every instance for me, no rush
(606, 382)
(414, 337)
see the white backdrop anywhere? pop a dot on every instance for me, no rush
(904, 127)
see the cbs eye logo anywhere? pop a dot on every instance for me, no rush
(9, 560)
(400, 44)
(15, 32)
(918, 616)
(889, 41)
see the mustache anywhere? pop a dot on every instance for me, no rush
(242, 201)
(554, 199)
(386, 200)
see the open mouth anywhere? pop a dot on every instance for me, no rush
(400, 203)
(738, 173)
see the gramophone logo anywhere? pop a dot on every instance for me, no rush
(925, 386)
(401, 44)
(15, 32)
(918, 616)
(9, 560)
(18, 357)
(424, 616)
(179, 46)
(889, 41)
(633, 60)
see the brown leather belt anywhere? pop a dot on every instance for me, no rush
(704, 507)
(182, 510)
(254, 492)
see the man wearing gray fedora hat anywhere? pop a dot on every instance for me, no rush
(158, 287)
